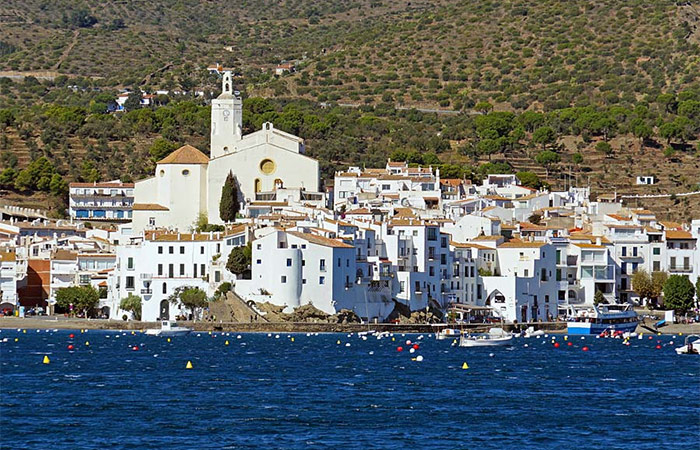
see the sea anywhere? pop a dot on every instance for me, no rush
(124, 390)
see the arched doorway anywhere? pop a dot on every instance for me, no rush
(279, 184)
(164, 310)
(258, 185)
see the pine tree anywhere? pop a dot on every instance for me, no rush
(228, 206)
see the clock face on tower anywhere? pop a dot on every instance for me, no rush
(226, 113)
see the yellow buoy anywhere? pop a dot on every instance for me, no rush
(292, 339)
(25, 331)
(226, 343)
(465, 366)
(16, 339)
(168, 339)
(46, 359)
(210, 332)
(338, 342)
(87, 344)
(680, 334)
(392, 339)
(189, 365)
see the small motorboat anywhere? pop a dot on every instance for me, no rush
(169, 328)
(495, 337)
(447, 333)
(690, 348)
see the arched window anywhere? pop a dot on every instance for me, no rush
(279, 184)
(165, 288)
(258, 185)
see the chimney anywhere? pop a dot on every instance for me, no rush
(178, 236)
(597, 240)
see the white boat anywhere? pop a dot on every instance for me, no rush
(495, 337)
(169, 328)
(602, 318)
(690, 348)
(447, 333)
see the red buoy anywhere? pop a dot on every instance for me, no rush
(585, 349)
(556, 345)
(71, 335)
(658, 347)
(415, 347)
(399, 349)
(70, 346)
(569, 344)
(135, 348)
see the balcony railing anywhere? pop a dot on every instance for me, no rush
(680, 269)
(146, 276)
(146, 291)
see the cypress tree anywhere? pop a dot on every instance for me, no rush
(228, 206)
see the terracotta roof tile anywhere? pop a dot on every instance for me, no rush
(149, 207)
(185, 155)
(320, 240)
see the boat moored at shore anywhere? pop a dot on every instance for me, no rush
(169, 328)
(602, 318)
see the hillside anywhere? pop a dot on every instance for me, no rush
(595, 92)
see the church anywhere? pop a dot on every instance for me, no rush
(268, 165)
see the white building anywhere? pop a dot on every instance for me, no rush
(10, 274)
(396, 184)
(187, 183)
(111, 201)
(153, 264)
(522, 286)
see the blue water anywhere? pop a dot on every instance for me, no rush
(262, 392)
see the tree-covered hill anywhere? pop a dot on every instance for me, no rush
(587, 92)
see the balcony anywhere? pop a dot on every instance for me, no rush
(630, 257)
(146, 291)
(680, 269)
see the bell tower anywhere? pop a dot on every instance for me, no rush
(226, 119)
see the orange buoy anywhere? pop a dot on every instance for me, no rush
(135, 348)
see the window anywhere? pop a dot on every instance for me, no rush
(321, 280)
(289, 262)
(160, 270)
(526, 273)
(322, 265)
(84, 279)
(160, 249)
(303, 281)
(259, 246)
(657, 251)
(402, 286)
(152, 221)
(201, 250)
(130, 283)
(258, 261)
(171, 270)
(165, 288)
(634, 251)
(218, 248)
(657, 266)
(171, 249)
(347, 263)
(432, 234)
(431, 271)
(338, 262)
(182, 249)
(182, 270)
(185, 172)
(624, 251)
(217, 276)
(283, 279)
(130, 263)
(194, 270)
(202, 269)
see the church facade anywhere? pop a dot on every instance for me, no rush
(188, 183)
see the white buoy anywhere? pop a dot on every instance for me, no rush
(371, 352)
(491, 354)
(412, 350)
(347, 344)
(419, 358)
